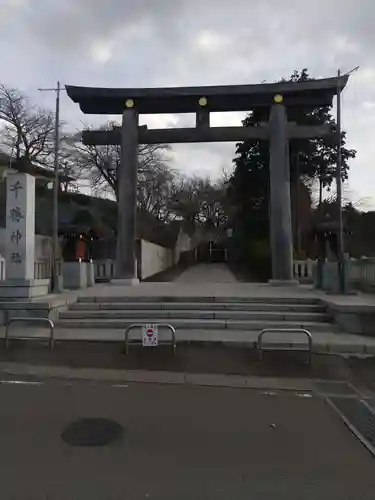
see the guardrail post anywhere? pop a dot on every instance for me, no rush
(51, 338)
(284, 330)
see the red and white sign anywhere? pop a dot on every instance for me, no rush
(150, 336)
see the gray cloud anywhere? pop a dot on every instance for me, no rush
(174, 42)
(69, 26)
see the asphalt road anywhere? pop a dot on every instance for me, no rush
(178, 442)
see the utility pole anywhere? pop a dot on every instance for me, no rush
(55, 213)
(340, 225)
(340, 228)
(297, 201)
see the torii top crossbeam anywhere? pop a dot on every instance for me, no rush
(312, 93)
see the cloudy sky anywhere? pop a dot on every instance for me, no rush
(146, 43)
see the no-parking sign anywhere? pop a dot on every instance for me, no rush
(150, 336)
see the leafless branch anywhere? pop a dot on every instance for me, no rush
(99, 165)
(28, 131)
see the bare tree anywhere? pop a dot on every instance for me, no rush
(156, 180)
(28, 131)
(201, 203)
(70, 167)
(156, 186)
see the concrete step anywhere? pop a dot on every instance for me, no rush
(197, 306)
(290, 299)
(196, 315)
(196, 324)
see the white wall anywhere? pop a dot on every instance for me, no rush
(155, 258)
(183, 244)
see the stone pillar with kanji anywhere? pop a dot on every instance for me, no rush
(20, 226)
(20, 239)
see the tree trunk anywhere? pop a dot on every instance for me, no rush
(320, 191)
(296, 203)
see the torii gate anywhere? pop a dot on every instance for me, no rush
(130, 103)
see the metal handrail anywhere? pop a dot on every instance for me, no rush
(284, 330)
(162, 325)
(51, 339)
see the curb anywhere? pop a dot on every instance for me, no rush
(319, 347)
(158, 377)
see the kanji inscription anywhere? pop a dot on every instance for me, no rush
(20, 226)
(16, 187)
(16, 237)
(15, 214)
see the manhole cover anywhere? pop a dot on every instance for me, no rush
(339, 388)
(359, 415)
(92, 432)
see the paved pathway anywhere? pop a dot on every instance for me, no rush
(207, 273)
(177, 442)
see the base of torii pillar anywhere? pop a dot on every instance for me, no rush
(283, 282)
(125, 281)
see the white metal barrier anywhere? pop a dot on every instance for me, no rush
(290, 346)
(51, 338)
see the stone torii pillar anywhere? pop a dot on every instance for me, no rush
(126, 268)
(280, 213)
(280, 131)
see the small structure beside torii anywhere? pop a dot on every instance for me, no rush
(276, 97)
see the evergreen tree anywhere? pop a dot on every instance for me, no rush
(310, 160)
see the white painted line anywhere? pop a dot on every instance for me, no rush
(120, 386)
(20, 382)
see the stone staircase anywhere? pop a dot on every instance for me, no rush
(197, 314)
